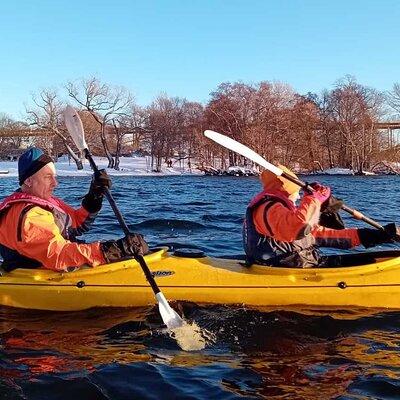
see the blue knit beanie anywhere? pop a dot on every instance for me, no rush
(31, 162)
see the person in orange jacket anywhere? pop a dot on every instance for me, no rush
(277, 232)
(38, 229)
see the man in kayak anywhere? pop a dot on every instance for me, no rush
(279, 233)
(38, 229)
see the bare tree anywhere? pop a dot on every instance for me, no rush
(228, 112)
(304, 121)
(393, 97)
(192, 131)
(337, 128)
(138, 121)
(104, 102)
(10, 139)
(354, 108)
(47, 114)
(120, 130)
(256, 115)
(164, 124)
(275, 137)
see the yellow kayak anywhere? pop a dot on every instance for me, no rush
(201, 279)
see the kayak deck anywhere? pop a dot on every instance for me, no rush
(205, 280)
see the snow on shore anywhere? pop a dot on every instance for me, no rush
(129, 166)
(136, 166)
(341, 171)
(337, 171)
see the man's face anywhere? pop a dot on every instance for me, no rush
(42, 183)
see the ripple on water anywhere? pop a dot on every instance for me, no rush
(255, 353)
(176, 224)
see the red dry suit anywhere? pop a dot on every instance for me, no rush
(276, 232)
(42, 233)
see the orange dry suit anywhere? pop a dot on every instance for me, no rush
(42, 233)
(276, 232)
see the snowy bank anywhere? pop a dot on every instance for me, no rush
(340, 171)
(129, 166)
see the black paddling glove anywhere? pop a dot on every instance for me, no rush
(122, 249)
(332, 205)
(93, 201)
(373, 237)
(330, 217)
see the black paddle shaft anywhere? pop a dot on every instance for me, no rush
(124, 226)
(354, 213)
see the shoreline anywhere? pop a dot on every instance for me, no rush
(140, 166)
(129, 166)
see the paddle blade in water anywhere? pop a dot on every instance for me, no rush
(75, 127)
(168, 315)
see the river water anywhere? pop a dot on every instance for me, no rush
(255, 353)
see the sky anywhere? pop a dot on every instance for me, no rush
(187, 48)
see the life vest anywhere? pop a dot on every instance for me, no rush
(264, 249)
(11, 258)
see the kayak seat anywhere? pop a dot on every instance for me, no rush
(189, 253)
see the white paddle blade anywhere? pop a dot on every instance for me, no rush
(168, 315)
(75, 127)
(245, 151)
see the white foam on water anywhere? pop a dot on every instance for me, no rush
(190, 337)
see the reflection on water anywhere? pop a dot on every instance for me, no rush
(252, 353)
(77, 340)
(249, 353)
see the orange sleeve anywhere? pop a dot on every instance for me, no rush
(342, 239)
(79, 216)
(287, 225)
(42, 241)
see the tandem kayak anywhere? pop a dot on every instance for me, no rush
(194, 277)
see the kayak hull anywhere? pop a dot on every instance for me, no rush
(204, 280)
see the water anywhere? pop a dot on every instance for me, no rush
(253, 353)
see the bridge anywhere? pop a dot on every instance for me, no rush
(393, 138)
(24, 132)
(388, 125)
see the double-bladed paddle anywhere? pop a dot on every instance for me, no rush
(75, 128)
(245, 151)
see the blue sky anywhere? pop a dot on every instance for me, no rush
(187, 48)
